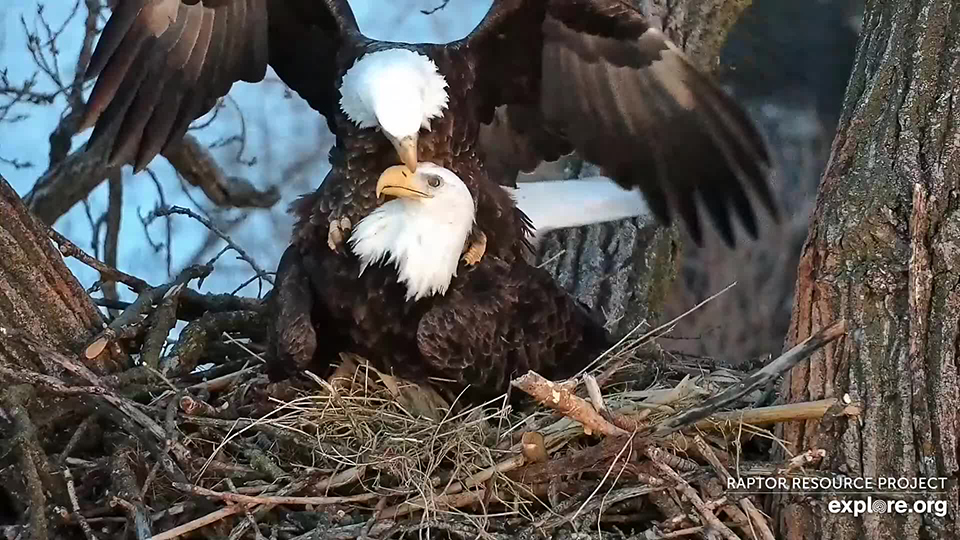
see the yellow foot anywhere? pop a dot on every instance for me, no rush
(338, 233)
(475, 249)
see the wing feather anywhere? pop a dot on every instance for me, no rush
(257, 45)
(150, 91)
(505, 320)
(624, 97)
(160, 64)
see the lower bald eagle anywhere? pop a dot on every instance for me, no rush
(407, 303)
(536, 79)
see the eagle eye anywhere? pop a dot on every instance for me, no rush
(433, 181)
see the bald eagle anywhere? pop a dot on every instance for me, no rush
(535, 80)
(418, 311)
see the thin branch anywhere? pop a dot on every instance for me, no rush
(267, 499)
(159, 212)
(107, 273)
(431, 11)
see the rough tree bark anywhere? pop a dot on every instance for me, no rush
(625, 268)
(883, 251)
(39, 296)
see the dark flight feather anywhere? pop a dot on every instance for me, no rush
(151, 86)
(536, 80)
(624, 97)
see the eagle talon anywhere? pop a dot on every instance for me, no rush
(338, 233)
(474, 249)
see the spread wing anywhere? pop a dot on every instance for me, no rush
(160, 64)
(595, 77)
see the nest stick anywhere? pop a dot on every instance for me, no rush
(267, 499)
(451, 500)
(690, 531)
(759, 378)
(562, 400)
(751, 510)
(15, 399)
(798, 461)
(765, 416)
(202, 521)
(75, 504)
(705, 512)
(128, 493)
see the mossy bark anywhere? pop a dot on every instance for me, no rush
(883, 251)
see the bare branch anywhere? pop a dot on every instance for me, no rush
(431, 11)
(197, 166)
(159, 212)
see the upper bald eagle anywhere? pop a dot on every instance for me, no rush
(407, 304)
(535, 80)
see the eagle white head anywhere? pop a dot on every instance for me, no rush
(422, 231)
(397, 90)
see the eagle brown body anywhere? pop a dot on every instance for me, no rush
(496, 321)
(534, 81)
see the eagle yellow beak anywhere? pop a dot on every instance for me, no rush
(407, 150)
(399, 181)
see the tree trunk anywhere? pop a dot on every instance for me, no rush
(39, 296)
(626, 268)
(883, 251)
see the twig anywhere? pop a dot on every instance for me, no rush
(202, 521)
(126, 489)
(751, 510)
(694, 498)
(15, 399)
(785, 362)
(107, 272)
(166, 211)
(593, 392)
(162, 320)
(776, 414)
(75, 438)
(266, 499)
(451, 500)
(690, 531)
(562, 400)
(111, 240)
(75, 504)
(194, 162)
(431, 11)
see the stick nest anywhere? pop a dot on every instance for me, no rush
(640, 446)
